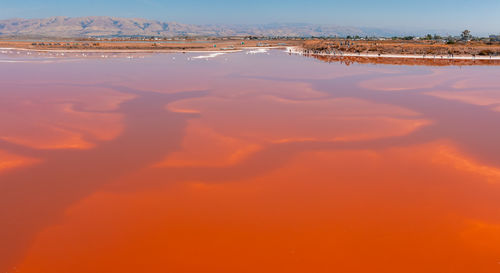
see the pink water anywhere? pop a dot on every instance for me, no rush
(247, 163)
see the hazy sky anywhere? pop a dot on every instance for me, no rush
(481, 16)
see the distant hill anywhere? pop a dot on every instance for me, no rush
(113, 26)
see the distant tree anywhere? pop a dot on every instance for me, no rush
(428, 37)
(466, 35)
(437, 37)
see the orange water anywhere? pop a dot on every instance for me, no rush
(247, 163)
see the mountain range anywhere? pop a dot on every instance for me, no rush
(114, 27)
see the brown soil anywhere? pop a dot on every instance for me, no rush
(403, 61)
(207, 45)
(402, 47)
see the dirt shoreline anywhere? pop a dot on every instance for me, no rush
(426, 49)
(343, 51)
(349, 60)
(131, 51)
(301, 51)
(145, 47)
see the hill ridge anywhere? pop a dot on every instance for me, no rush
(107, 26)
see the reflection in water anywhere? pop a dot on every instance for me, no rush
(436, 61)
(280, 164)
(62, 118)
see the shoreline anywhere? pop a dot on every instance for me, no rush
(291, 50)
(181, 46)
(347, 58)
(118, 50)
(294, 50)
(131, 51)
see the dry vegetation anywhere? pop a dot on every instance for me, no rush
(402, 47)
(403, 61)
(183, 45)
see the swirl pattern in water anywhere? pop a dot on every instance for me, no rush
(247, 163)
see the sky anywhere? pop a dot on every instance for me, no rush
(480, 16)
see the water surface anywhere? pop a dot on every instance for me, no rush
(247, 163)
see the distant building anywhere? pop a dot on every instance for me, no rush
(495, 38)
